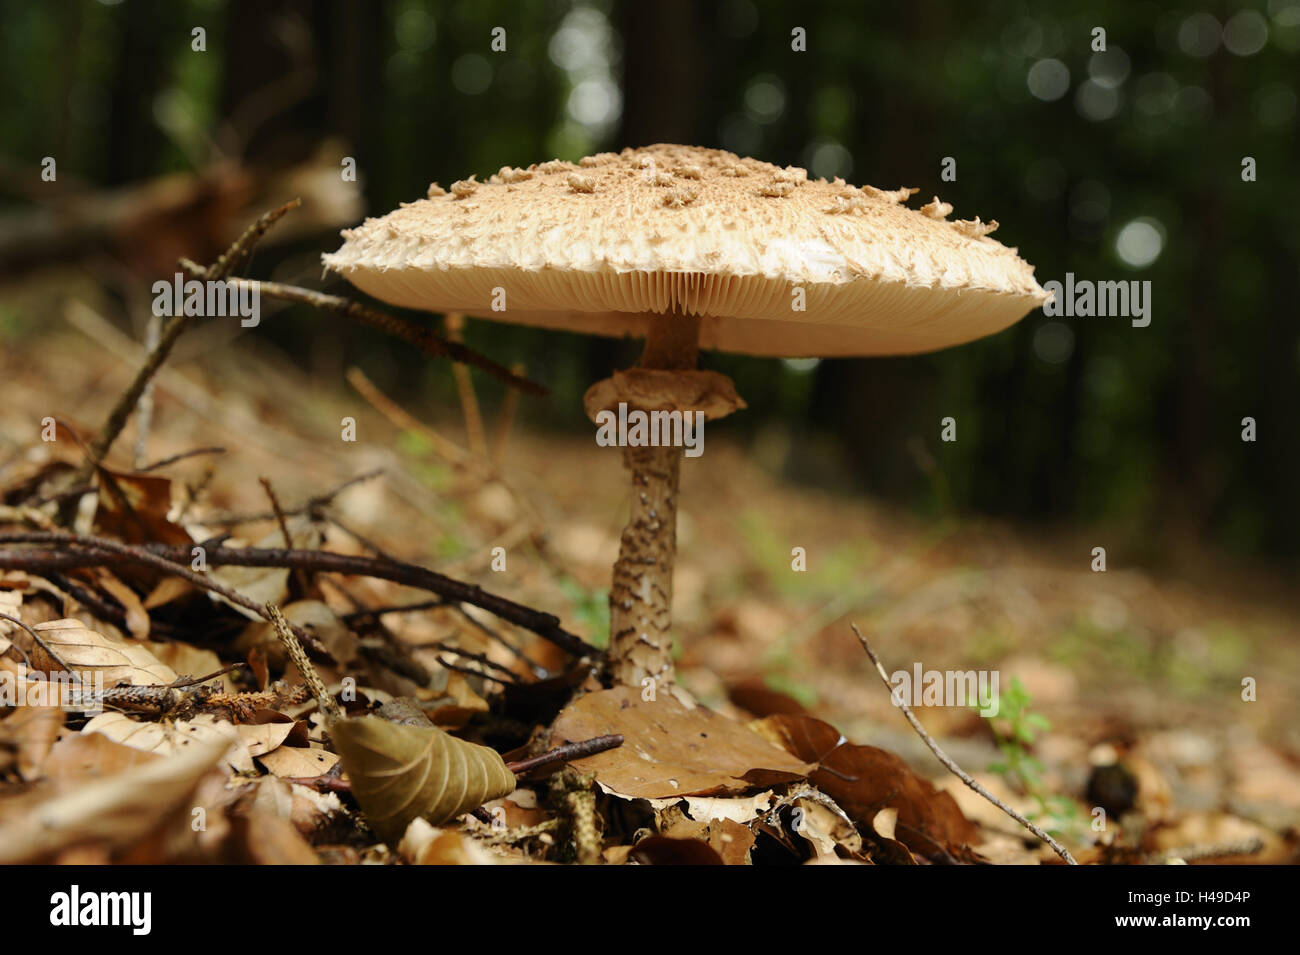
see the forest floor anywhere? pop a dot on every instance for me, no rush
(1125, 668)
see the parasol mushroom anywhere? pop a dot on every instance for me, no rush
(690, 249)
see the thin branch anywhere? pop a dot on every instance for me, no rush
(506, 420)
(329, 706)
(455, 330)
(947, 760)
(471, 671)
(545, 625)
(376, 612)
(399, 417)
(92, 551)
(567, 753)
(311, 504)
(39, 642)
(192, 453)
(432, 344)
(127, 401)
(480, 658)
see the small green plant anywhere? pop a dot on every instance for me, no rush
(590, 608)
(1015, 729)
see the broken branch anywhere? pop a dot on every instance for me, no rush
(947, 760)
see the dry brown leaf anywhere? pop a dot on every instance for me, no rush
(400, 773)
(669, 750)
(134, 508)
(31, 730)
(313, 616)
(298, 761)
(424, 844)
(167, 590)
(263, 738)
(456, 701)
(269, 840)
(729, 839)
(865, 779)
(10, 602)
(663, 850)
(137, 618)
(266, 584)
(190, 660)
(89, 652)
(113, 812)
(84, 757)
(166, 738)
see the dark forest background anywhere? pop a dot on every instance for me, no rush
(1091, 162)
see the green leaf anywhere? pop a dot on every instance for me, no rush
(399, 772)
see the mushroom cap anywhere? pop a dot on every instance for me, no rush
(594, 247)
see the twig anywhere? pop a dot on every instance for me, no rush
(402, 419)
(471, 671)
(311, 504)
(506, 421)
(127, 401)
(433, 345)
(947, 760)
(479, 658)
(181, 682)
(277, 510)
(328, 705)
(83, 554)
(240, 248)
(303, 579)
(144, 408)
(1215, 851)
(90, 551)
(537, 669)
(455, 325)
(39, 642)
(192, 453)
(567, 753)
(377, 612)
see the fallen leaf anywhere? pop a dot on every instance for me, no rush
(116, 811)
(191, 660)
(134, 508)
(88, 652)
(730, 840)
(759, 699)
(31, 730)
(265, 584)
(83, 757)
(167, 590)
(669, 750)
(262, 738)
(137, 618)
(425, 844)
(865, 779)
(314, 617)
(165, 738)
(399, 773)
(663, 850)
(298, 761)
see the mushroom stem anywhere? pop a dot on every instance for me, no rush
(641, 596)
